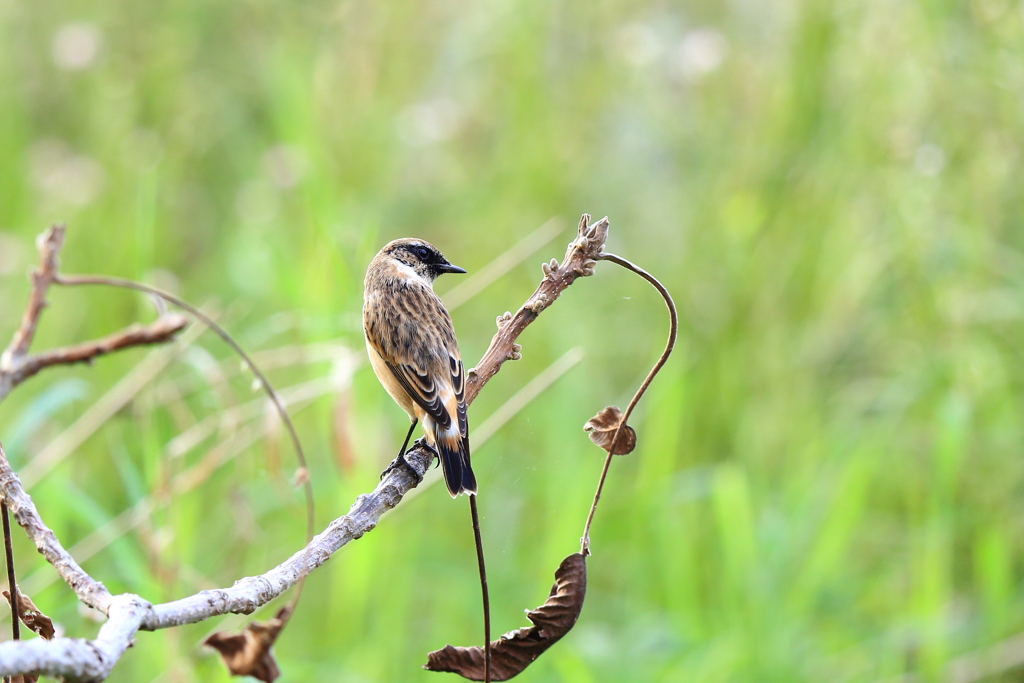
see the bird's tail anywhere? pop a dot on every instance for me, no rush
(454, 454)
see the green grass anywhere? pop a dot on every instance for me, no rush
(828, 483)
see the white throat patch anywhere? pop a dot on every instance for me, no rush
(407, 271)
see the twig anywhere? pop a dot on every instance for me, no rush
(16, 365)
(12, 580)
(483, 587)
(303, 473)
(579, 261)
(49, 244)
(161, 331)
(88, 590)
(127, 613)
(113, 400)
(673, 331)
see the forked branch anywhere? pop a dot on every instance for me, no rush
(16, 365)
(127, 614)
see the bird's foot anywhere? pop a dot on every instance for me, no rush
(422, 443)
(400, 461)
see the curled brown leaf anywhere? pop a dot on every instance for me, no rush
(30, 615)
(602, 428)
(248, 653)
(516, 650)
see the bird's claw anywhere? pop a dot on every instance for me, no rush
(422, 443)
(400, 461)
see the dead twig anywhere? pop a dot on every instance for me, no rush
(161, 331)
(613, 443)
(92, 660)
(16, 365)
(49, 244)
(579, 261)
(12, 580)
(513, 652)
(483, 587)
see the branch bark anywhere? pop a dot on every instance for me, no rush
(49, 244)
(89, 591)
(92, 660)
(580, 259)
(161, 331)
(75, 658)
(16, 365)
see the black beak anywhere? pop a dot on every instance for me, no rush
(449, 268)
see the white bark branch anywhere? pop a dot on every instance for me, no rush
(92, 660)
(89, 591)
(254, 591)
(75, 658)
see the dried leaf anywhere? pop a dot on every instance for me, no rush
(301, 476)
(36, 621)
(248, 653)
(516, 650)
(602, 430)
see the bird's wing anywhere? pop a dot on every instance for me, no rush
(424, 358)
(427, 393)
(459, 391)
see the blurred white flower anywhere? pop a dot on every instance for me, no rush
(142, 149)
(903, 141)
(700, 52)
(63, 175)
(429, 122)
(257, 202)
(285, 165)
(930, 159)
(75, 46)
(639, 44)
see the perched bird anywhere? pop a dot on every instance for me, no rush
(412, 347)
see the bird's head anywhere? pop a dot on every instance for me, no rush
(422, 257)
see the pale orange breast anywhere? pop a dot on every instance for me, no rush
(391, 384)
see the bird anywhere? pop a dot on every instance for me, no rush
(413, 351)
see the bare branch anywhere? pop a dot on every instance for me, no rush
(89, 591)
(160, 331)
(579, 261)
(49, 244)
(92, 660)
(16, 365)
(251, 592)
(74, 658)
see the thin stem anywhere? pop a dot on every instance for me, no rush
(75, 280)
(12, 581)
(669, 345)
(585, 541)
(483, 588)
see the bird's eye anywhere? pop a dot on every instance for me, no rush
(422, 252)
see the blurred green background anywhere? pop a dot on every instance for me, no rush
(829, 483)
